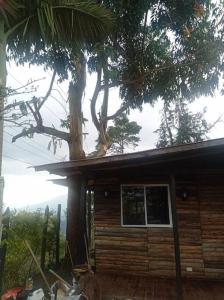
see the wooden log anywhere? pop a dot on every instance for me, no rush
(57, 258)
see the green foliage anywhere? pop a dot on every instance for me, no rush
(47, 31)
(180, 126)
(28, 226)
(163, 49)
(123, 134)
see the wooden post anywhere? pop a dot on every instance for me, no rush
(88, 217)
(3, 247)
(58, 235)
(75, 232)
(179, 287)
(44, 238)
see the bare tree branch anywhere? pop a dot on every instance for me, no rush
(218, 120)
(19, 124)
(10, 106)
(33, 112)
(37, 111)
(43, 129)
(94, 99)
(49, 91)
(118, 112)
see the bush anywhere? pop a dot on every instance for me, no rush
(28, 226)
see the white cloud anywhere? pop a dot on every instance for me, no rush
(24, 190)
(23, 186)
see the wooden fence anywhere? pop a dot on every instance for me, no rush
(44, 240)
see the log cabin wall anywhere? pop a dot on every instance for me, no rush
(212, 226)
(150, 251)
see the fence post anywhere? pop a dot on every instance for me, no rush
(3, 246)
(44, 238)
(58, 235)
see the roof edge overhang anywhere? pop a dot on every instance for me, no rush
(151, 156)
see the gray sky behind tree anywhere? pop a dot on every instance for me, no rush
(22, 185)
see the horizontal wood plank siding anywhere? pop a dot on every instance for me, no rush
(161, 252)
(117, 248)
(212, 224)
(190, 231)
(150, 251)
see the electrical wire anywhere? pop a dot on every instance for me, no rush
(39, 147)
(58, 86)
(33, 95)
(16, 159)
(26, 150)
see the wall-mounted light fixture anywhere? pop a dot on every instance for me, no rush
(184, 195)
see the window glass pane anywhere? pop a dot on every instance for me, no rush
(133, 205)
(157, 205)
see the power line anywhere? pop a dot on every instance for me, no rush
(16, 159)
(39, 147)
(58, 86)
(26, 150)
(20, 83)
(46, 157)
(52, 112)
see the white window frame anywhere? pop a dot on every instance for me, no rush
(145, 206)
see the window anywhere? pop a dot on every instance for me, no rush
(145, 205)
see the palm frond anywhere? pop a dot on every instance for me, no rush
(65, 22)
(10, 10)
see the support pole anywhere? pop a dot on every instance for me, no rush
(179, 287)
(58, 235)
(3, 76)
(75, 232)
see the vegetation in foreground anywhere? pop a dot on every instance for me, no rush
(25, 225)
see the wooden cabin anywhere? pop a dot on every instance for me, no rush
(158, 212)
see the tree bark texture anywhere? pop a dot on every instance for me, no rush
(76, 91)
(76, 219)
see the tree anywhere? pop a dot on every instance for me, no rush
(50, 26)
(180, 126)
(158, 50)
(123, 134)
(28, 226)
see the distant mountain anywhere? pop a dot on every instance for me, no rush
(53, 204)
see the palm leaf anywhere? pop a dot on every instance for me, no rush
(63, 22)
(10, 10)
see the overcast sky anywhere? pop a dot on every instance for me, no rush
(25, 187)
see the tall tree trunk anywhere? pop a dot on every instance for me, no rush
(76, 91)
(3, 75)
(104, 140)
(168, 126)
(76, 219)
(76, 199)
